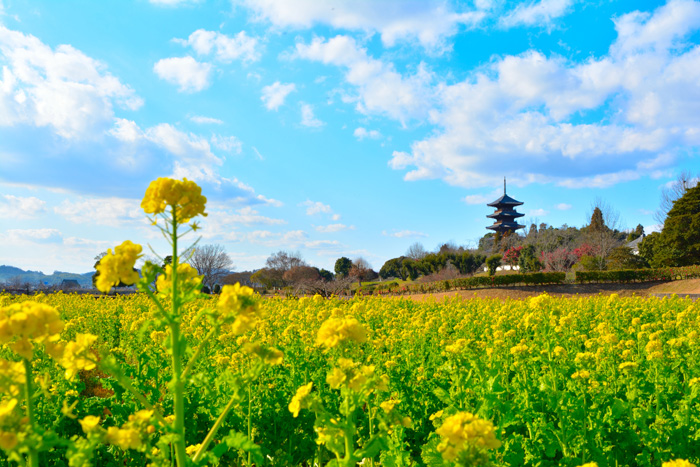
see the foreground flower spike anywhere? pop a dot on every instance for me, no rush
(118, 266)
(464, 435)
(184, 197)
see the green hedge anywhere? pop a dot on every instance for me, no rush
(639, 275)
(534, 278)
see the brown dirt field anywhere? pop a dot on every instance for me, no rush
(644, 289)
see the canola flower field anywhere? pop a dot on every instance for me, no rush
(549, 382)
(173, 377)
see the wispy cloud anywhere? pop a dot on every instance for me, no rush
(273, 96)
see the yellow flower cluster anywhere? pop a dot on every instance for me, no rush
(238, 305)
(9, 420)
(298, 401)
(463, 431)
(76, 355)
(187, 276)
(678, 463)
(118, 266)
(13, 376)
(356, 377)
(184, 197)
(24, 324)
(337, 330)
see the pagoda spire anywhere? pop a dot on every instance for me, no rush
(505, 214)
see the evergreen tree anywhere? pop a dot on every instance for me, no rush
(681, 232)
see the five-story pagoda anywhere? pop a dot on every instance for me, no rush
(505, 214)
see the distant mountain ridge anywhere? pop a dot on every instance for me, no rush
(8, 273)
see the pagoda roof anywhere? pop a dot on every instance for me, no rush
(508, 213)
(505, 200)
(505, 226)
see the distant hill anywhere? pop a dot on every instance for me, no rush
(9, 273)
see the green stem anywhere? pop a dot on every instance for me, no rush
(177, 385)
(194, 358)
(214, 429)
(33, 459)
(250, 421)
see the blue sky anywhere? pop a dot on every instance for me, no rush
(336, 128)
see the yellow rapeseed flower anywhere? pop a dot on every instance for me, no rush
(89, 423)
(299, 398)
(464, 430)
(337, 330)
(188, 278)
(678, 463)
(183, 196)
(118, 266)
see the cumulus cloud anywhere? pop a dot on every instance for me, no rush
(18, 207)
(24, 236)
(225, 48)
(542, 13)
(428, 22)
(61, 89)
(381, 89)
(332, 228)
(538, 212)
(206, 120)
(308, 118)
(361, 133)
(563, 206)
(227, 143)
(316, 207)
(113, 212)
(273, 96)
(523, 112)
(185, 72)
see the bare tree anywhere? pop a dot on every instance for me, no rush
(212, 262)
(283, 261)
(416, 251)
(675, 190)
(360, 268)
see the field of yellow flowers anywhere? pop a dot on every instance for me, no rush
(605, 381)
(173, 377)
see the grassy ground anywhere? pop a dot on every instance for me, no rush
(644, 289)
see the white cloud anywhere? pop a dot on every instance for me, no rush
(62, 89)
(538, 212)
(523, 111)
(24, 236)
(332, 228)
(227, 143)
(273, 96)
(114, 212)
(381, 88)
(316, 207)
(660, 31)
(186, 72)
(541, 12)
(428, 22)
(206, 120)
(225, 48)
(361, 133)
(308, 118)
(404, 234)
(18, 207)
(563, 206)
